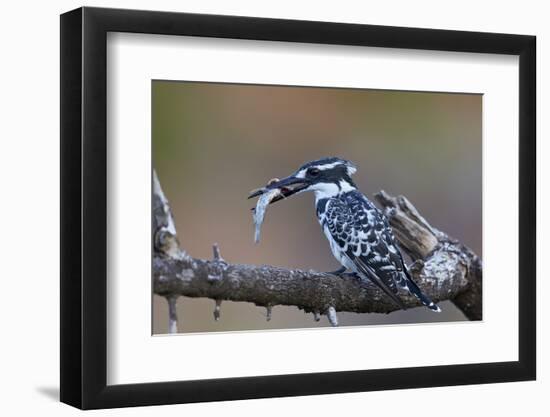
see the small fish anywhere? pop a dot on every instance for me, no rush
(260, 210)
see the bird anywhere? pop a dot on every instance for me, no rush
(359, 233)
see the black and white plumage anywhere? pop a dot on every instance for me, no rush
(359, 234)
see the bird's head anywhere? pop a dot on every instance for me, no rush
(326, 177)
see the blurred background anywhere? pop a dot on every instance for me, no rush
(213, 143)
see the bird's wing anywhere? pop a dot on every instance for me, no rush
(362, 232)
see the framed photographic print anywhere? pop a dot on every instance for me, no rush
(257, 208)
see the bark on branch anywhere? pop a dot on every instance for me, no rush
(444, 268)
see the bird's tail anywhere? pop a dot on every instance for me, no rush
(417, 292)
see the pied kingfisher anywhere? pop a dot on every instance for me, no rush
(359, 234)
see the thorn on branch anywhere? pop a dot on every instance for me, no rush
(220, 265)
(216, 253)
(217, 309)
(172, 314)
(332, 317)
(268, 311)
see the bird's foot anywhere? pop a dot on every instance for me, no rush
(351, 275)
(338, 272)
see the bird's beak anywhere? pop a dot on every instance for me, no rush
(288, 186)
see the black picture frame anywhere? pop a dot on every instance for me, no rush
(84, 207)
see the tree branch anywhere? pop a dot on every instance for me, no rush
(444, 268)
(443, 258)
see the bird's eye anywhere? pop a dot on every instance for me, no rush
(313, 172)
